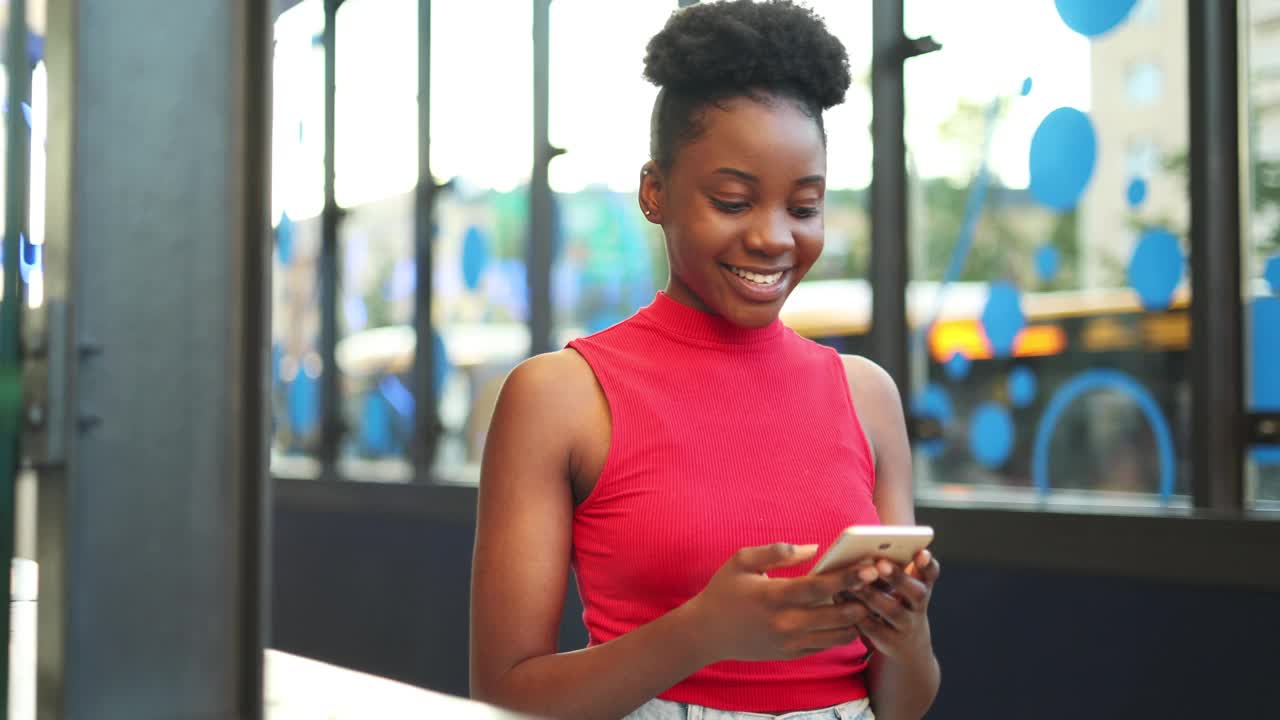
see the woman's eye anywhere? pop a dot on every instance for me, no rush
(729, 207)
(804, 212)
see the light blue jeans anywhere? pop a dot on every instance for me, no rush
(658, 709)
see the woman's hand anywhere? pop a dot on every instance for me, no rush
(742, 614)
(898, 601)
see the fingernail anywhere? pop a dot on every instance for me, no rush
(886, 567)
(867, 574)
(804, 549)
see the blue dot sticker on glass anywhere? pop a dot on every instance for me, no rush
(1022, 386)
(475, 256)
(440, 369)
(1136, 193)
(1048, 262)
(1264, 317)
(30, 258)
(1092, 18)
(284, 239)
(1063, 153)
(957, 367)
(1156, 268)
(991, 434)
(1002, 318)
(933, 403)
(1272, 274)
(1026, 87)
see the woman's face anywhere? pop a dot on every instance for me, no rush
(741, 208)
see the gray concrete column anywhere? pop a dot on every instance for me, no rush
(149, 360)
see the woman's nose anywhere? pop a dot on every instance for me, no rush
(770, 235)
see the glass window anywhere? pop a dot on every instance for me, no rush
(481, 144)
(375, 173)
(1049, 290)
(1260, 98)
(297, 197)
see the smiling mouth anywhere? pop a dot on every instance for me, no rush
(762, 280)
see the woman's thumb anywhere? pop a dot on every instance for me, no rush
(767, 557)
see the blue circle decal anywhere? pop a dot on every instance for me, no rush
(475, 256)
(1048, 262)
(1136, 192)
(1272, 273)
(1088, 381)
(1092, 18)
(1002, 318)
(957, 367)
(1022, 386)
(991, 435)
(1063, 152)
(1156, 268)
(934, 403)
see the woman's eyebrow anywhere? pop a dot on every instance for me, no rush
(744, 175)
(740, 174)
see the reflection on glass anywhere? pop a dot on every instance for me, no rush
(481, 130)
(1049, 289)
(1260, 106)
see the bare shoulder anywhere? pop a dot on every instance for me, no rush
(555, 373)
(870, 383)
(546, 405)
(878, 405)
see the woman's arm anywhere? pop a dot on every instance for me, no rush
(521, 563)
(903, 675)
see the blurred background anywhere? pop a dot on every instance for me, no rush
(315, 235)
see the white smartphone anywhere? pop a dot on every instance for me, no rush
(858, 543)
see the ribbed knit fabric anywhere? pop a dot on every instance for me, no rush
(723, 438)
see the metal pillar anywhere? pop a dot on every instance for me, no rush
(889, 257)
(426, 424)
(331, 424)
(154, 340)
(1217, 362)
(541, 201)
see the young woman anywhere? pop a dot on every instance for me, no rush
(690, 462)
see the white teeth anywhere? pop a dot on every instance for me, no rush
(757, 278)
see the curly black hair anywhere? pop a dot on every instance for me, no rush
(711, 52)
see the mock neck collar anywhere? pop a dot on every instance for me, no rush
(704, 326)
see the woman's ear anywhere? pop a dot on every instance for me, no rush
(651, 192)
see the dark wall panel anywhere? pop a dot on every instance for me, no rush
(382, 593)
(1022, 644)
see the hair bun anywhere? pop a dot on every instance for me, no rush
(720, 47)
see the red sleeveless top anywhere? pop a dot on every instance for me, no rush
(723, 437)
